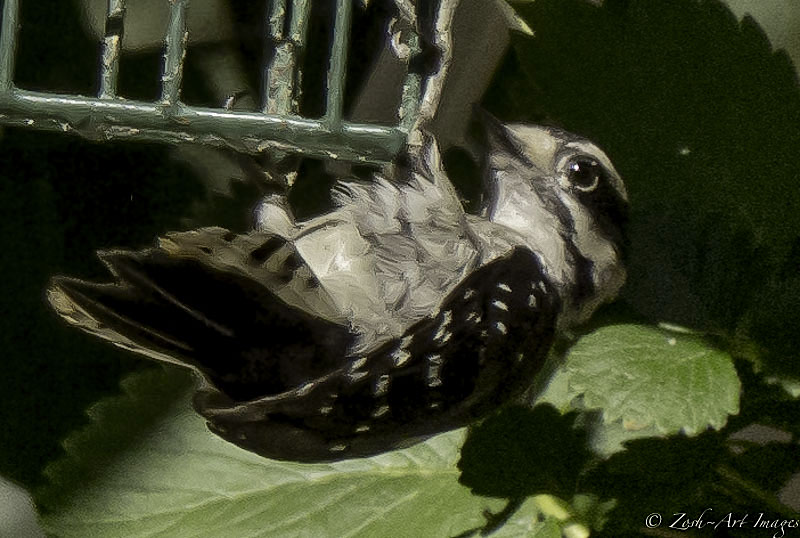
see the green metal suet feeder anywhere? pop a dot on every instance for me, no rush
(275, 127)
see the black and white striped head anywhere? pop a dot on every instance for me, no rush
(561, 193)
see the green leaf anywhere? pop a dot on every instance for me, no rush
(606, 439)
(658, 475)
(646, 377)
(147, 466)
(505, 455)
(690, 475)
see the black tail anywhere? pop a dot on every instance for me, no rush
(246, 340)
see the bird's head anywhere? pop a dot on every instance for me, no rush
(562, 195)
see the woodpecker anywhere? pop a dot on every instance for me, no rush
(391, 318)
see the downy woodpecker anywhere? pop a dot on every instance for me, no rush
(389, 319)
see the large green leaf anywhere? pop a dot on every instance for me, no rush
(649, 380)
(147, 466)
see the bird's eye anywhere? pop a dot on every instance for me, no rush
(584, 173)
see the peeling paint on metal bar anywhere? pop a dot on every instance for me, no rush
(112, 46)
(412, 88)
(107, 117)
(282, 76)
(174, 53)
(247, 132)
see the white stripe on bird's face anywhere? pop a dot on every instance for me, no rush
(535, 188)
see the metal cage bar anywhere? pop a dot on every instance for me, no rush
(174, 53)
(338, 64)
(278, 87)
(282, 75)
(298, 25)
(278, 128)
(112, 44)
(8, 43)
(247, 132)
(412, 89)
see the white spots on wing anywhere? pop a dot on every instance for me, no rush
(326, 409)
(501, 327)
(520, 355)
(381, 385)
(505, 287)
(380, 411)
(500, 304)
(442, 333)
(400, 357)
(434, 370)
(434, 405)
(356, 376)
(362, 428)
(337, 448)
(305, 389)
(474, 317)
(532, 301)
(469, 294)
(358, 363)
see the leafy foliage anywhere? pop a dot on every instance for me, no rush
(723, 471)
(619, 368)
(503, 456)
(147, 466)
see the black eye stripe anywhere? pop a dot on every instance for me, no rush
(606, 206)
(266, 250)
(291, 263)
(608, 209)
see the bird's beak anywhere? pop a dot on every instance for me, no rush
(532, 144)
(496, 132)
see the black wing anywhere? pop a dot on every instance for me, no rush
(485, 345)
(181, 307)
